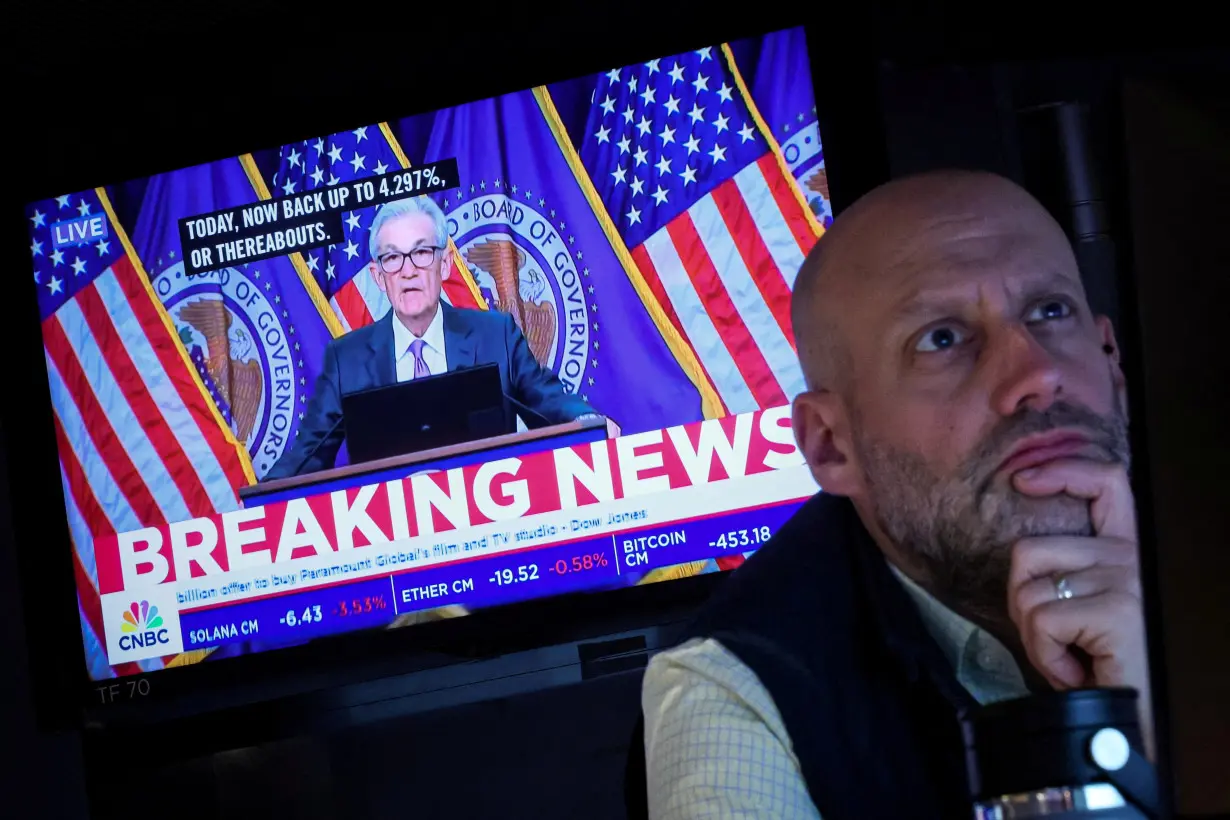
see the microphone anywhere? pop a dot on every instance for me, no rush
(522, 408)
(316, 446)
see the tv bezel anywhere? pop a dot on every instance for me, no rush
(65, 696)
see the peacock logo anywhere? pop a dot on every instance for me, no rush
(142, 626)
(140, 617)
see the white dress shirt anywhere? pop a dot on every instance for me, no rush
(716, 746)
(433, 348)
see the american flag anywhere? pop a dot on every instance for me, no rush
(340, 270)
(139, 439)
(712, 219)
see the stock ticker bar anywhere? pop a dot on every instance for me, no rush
(586, 564)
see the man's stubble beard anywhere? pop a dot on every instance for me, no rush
(959, 530)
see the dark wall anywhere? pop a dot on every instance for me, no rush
(1177, 133)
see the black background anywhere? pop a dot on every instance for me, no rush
(104, 92)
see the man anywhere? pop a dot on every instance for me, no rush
(419, 337)
(977, 540)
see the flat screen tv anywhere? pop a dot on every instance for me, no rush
(622, 245)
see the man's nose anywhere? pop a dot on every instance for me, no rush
(1026, 374)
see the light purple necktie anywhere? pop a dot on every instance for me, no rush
(420, 366)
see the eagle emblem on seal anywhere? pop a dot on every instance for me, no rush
(230, 360)
(520, 290)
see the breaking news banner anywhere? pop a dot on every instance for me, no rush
(583, 517)
(297, 222)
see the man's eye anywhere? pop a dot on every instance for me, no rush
(1049, 311)
(940, 338)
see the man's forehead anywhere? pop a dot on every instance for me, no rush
(954, 255)
(416, 228)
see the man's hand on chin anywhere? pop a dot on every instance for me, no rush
(1067, 592)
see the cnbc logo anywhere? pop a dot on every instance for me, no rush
(142, 626)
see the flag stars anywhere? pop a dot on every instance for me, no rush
(333, 179)
(619, 175)
(705, 53)
(62, 201)
(652, 65)
(634, 217)
(57, 257)
(627, 112)
(663, 165)
(724, 92)
(624, 145)
(701, 83)
(721, 123)
(36, 248)
(640, 156)
(647, 96)
(668, 135)
(693, 144)
(295, 158)
(672, 104)
(319, 145)
(289, 187)
(608, 105)
(312, 263)
(660, 195)
(676, 73)
(603, 135)
(78, 266)
(103, 246)
(330, 270)
(55, 285)
(352, 250)
(637, 185)
(357, 161)
(360, 134)
(697, 113)
(688, 175)
(644, 125)
(39, 218)
(335, 154)
(612, 76)
(718, 153)
(380, 168)
(746, 133)
(632, 84)
(83, 208)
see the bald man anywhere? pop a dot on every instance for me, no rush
(977, 540)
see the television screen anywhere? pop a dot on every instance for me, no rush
(620, 247)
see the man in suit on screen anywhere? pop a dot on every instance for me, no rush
(419, 337)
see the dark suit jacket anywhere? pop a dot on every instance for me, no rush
(365, 358)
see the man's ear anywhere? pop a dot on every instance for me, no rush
(375, 272)
(446, 263)
(822, 431)
(1110, 347)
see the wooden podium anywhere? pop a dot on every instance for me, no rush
(440, 458)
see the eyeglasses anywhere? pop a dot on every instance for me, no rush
(422, 257)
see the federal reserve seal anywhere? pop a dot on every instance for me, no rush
(526, 263)
(242, 346)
